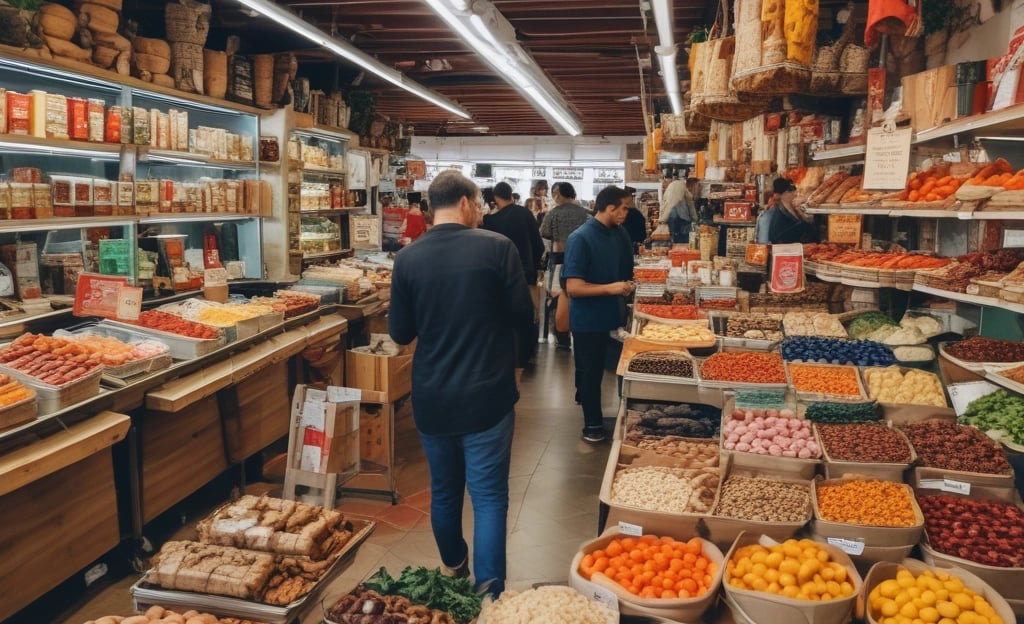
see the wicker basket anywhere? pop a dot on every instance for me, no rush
(187, 66)
(187, 21)
(713, 96)
(215, 73)
(762, 66)
(263, 79)
(285, 68)
(854, 67)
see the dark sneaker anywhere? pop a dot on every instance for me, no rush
(595, 436)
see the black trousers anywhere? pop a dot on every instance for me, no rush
(590, 350)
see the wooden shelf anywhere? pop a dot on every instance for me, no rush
(324, 171)
(838, 152)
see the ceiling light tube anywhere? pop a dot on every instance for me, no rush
(666, 52)
(344, 50)
(512, 63)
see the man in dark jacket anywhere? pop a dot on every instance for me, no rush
(460, 292)
(518, 224)
(635, 224)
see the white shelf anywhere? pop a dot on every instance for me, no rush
(325, 171)
(323, 132)
(836, 153)
(60, 147)
(171, 157)
(971, 299)
(1010, 215)
(1007, 119)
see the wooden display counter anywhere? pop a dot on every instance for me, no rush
(58, 500)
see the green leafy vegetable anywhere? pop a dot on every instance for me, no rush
(431, 588)
(1001, 411)
(867, 323)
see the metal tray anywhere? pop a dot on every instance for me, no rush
(182, 347)
(128, 369)
(55, 398)
(145, 595)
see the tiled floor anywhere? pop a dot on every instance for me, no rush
(555, 479)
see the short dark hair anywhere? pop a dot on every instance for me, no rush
(503, 190)
(610, 196)
(629, 189)
(781, 185)
(448, 188)
(564, 189)
(537, 185)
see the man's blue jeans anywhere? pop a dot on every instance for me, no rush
(479, 461)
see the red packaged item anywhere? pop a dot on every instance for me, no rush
(787, 275)
(112, 130)
(78, 119)
(18, 107)
(26, 175)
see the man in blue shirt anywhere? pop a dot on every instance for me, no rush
(598, 271)
(460, 291)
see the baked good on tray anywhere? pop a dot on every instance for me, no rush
(273, 525)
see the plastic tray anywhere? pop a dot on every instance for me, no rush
(182, 347)
(54, 398)
(145, 595)
(128, 369)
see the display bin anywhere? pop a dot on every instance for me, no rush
(17, 413)
(816, 397)
(861, 554)
(673, 609)
(270, 320)
(659, 522)
(764, 608)
(182, 347)
(871, 535)
(723, 530)
(52, 398)
(924, 474)
(837, 468)
(128, 369)
(887, 570)
(719, 325)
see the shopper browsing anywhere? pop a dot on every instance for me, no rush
(785, 222)
(679, 209)
(597, 273)
(517, 224)
(460, 292)
(558, 224)
(636, 223)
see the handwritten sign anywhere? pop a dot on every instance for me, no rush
(962, 394)
(850, 547)
(97, 295)
(887, 159)
(736, 212)
(129, 303)
(845, 228)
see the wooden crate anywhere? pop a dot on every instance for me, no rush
(930, 97)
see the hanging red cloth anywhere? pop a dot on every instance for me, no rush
(892, 17)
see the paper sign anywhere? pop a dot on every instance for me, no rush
(605, 597)
(962, 394)
(736, 212)
(850, 547)
(116, 256)
(315, 396)
(313, 416)
(336, 394)
(887, 160)
(129, 303)
(845, 228)
(97, 295)
(631, 529)
(215, 277)
(946, 485)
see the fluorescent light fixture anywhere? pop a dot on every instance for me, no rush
(41, 148)
(508, 59)
(352, 54)
(666, 52)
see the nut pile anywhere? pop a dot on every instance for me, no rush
(693, 333)
(693, 453)
(764, 500)
(668, 363)
(950, 446)
(916, 387)
(688, 421)
(981, 349)
(661, 488)
(754, 326)
(864, 442)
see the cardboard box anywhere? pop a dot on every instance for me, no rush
(23, 262)
(772, 608)
(885, 571)
(929, 97)
(383, 378)
(678, 609)
(871, 535)
(835, 469)
(926, 473)
(326, 439)
(657, 522)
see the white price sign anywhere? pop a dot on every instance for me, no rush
(631, 529)
(850, 547)
(963, 394)
(946, 485)
(887, 159)
(129, 303)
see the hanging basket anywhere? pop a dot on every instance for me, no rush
(774, 47)
(714, 98)
(187, 22)
(678, 137)
(853, 65)
(825, 75)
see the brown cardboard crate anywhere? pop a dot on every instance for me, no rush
(930, 96)
(383, 378)
(872, 535)
(375, 423)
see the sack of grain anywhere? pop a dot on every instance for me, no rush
(99, 19)
(104, 57)
(187, 21)
(285, 68)
(153, 47)
(57, 21)
(263, 79)
(215, 73)
(66, 49)
(151, 63)
(187, 66)
(113, 5)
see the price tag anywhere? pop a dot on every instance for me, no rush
(845, 228)
(962, 394)
(887, 159)
(97, 295)
(336, 394)
(931, 484)
(956, 487)
(736, 212)
(605, 597)
(129, 303)
(850, 547)
(215, 277)
(631, 529)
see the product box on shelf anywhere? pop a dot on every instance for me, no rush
(755, 607)
(929, 97)
(674, 609)
(22, 260)
(650, 521)
(884, 571)
(326, 439)
(383, 377)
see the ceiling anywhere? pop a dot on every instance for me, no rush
(589, 49)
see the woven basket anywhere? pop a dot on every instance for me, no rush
(215, 73)
(187, 66)
(263, 79)
(187, 22)
(713, 96)
(825, 76)
(285, 68)
(762, 66)
(854, 67)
